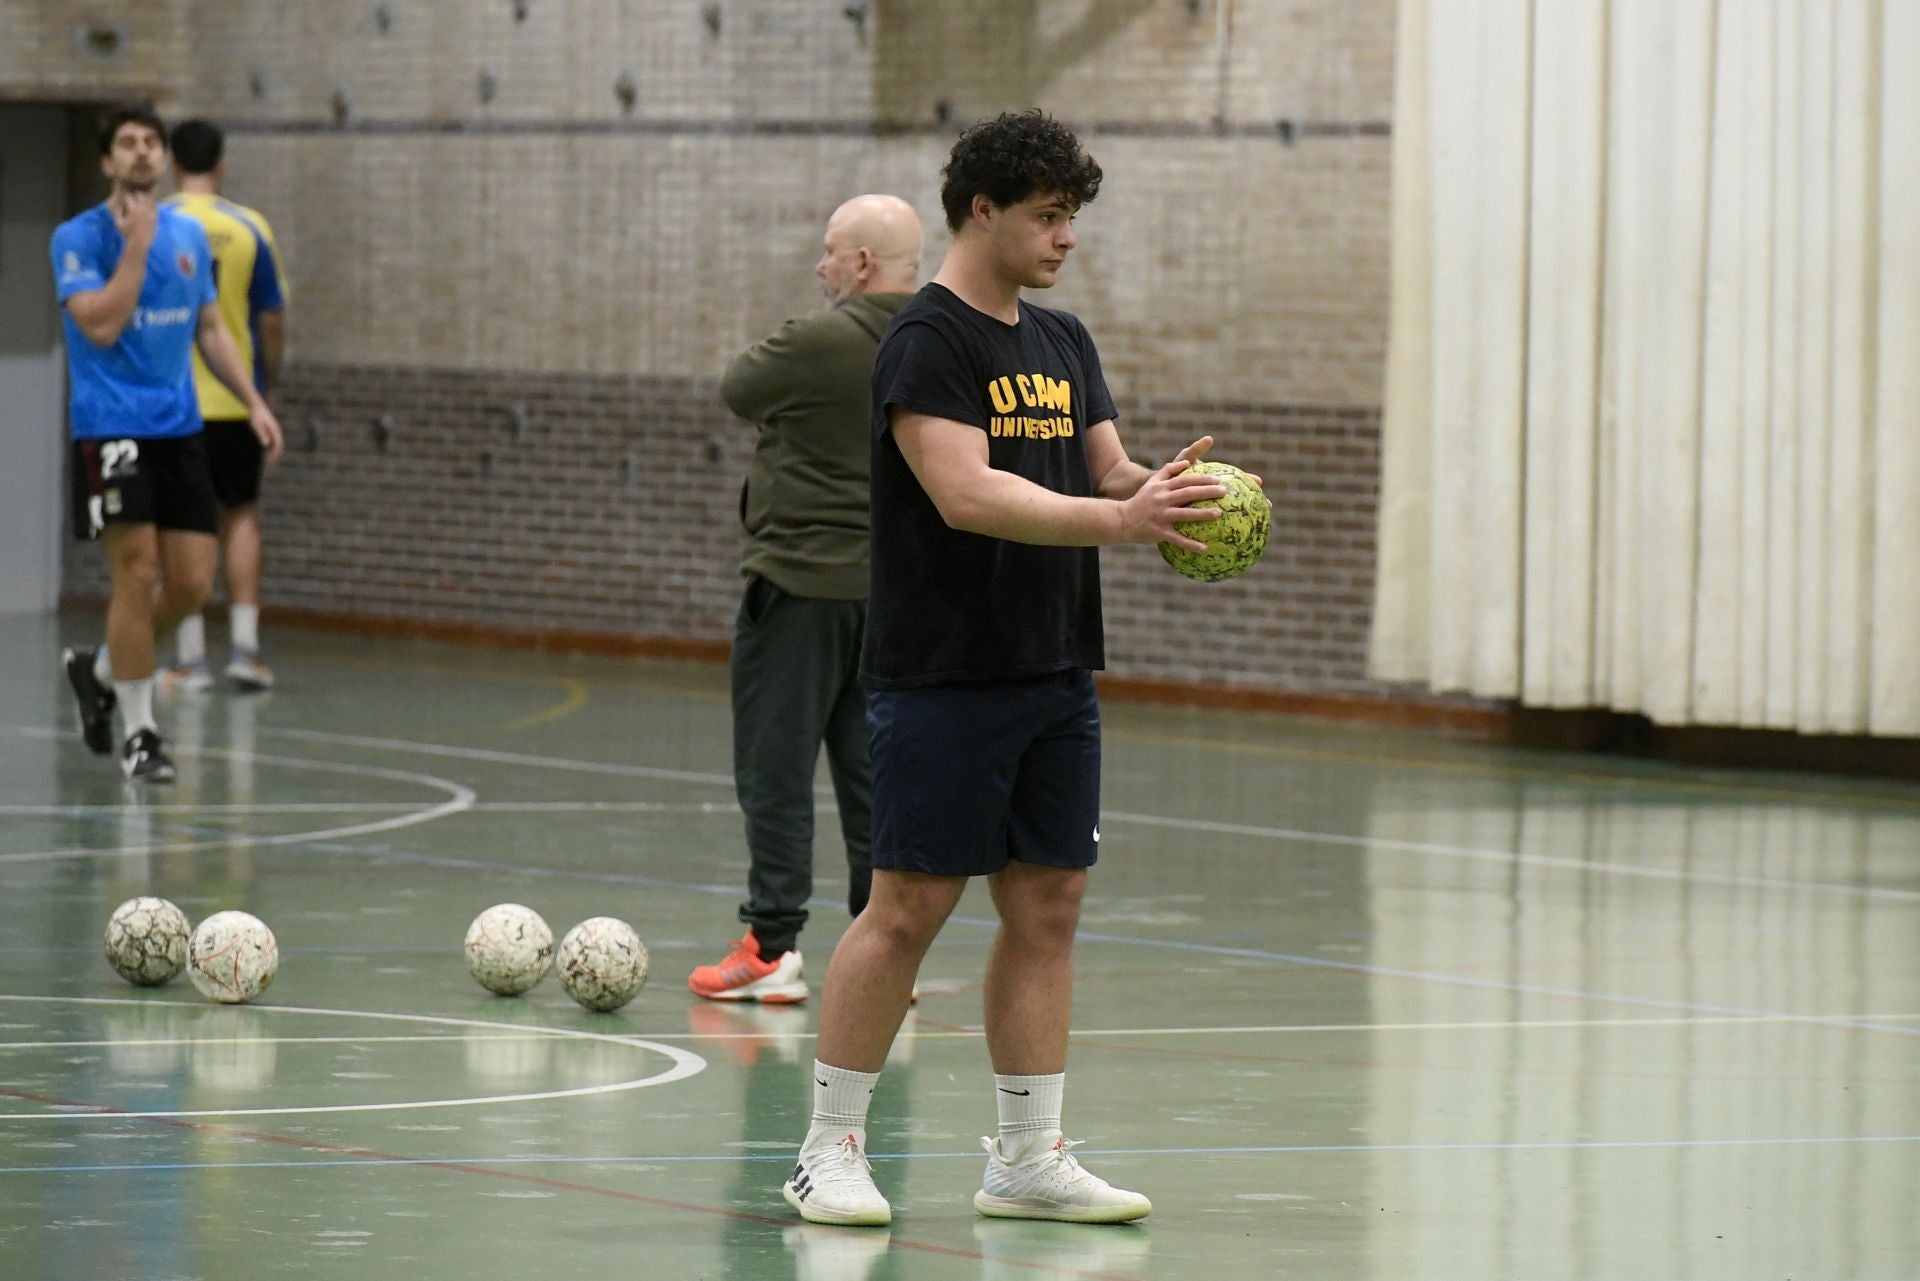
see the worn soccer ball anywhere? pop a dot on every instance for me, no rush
(147, 940)
(232, 957)
(1235, 539)
(509, 949)
(602, 963)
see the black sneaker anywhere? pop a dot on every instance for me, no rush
(145, 759)
(96, 701)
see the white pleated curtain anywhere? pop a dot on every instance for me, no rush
(1652, 435)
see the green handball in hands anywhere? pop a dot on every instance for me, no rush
(1235, 539)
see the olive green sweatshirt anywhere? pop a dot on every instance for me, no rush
(804, 507)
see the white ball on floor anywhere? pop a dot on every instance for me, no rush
(509, 949)
(603, 963)
(147, 940)
(232, 957)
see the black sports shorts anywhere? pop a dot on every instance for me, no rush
(136, 481)
(236, 457)
(967, 778)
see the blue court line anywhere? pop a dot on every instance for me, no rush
(782, 1158)
(1128, 940)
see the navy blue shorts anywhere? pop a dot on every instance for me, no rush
(969, 777)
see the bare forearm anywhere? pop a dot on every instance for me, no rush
(1003, 505)
(103, 314)
(273, 345)
(223, 358)
(1123, 480)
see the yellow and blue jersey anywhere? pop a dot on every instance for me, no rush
(246, 272)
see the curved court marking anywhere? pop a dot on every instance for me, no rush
(504, 758)
(685, 1064)
(1432, 849)
(573, 701)
(459, 797)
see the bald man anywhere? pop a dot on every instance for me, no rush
(796, 642)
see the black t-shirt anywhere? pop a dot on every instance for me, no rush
(947, 606)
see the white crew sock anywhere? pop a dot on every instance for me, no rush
(136, 704)
(190, 641)
(840, 1100)
(1029, 1107)
(102, 666)
(245, 621)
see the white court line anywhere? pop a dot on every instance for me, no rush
(379, 807)
(685, 1064)
(1505, 856)
(504, 758)
(1158, 820)
(1520, 1025)
(459, 798)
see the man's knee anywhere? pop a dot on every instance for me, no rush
(1041, 903)
(191, 583)
(135, 564)
(908, 910)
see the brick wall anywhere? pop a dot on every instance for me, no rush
(474, 217)
(586, 503)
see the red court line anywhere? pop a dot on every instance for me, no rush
(536, 1180)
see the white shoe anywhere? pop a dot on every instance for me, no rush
(246, 670)
(835, 1185)
(1044, 1182)
(186, 678)
(821, 1254)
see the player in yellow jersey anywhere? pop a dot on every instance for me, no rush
(252, 298)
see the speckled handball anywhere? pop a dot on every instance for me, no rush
(147, 940)
(509, 949)
(602, 963)
(232, 957)
(1234, 540)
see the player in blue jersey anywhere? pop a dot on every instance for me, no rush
(136, 286)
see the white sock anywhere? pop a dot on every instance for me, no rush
(190, 641)
(136, 704)
(102, 666)
(245, 621)
(1029, 1107)
(840, 1100)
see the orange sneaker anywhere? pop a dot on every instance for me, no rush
(743, 976)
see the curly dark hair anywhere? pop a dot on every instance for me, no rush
(131, 113)
(1015, 155)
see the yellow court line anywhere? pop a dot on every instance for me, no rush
(575, 700)
(694, 693)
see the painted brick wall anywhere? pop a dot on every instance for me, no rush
(85, 50)
(474, 218)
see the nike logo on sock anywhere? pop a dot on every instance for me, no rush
(818, 1081)
(1017, 1093)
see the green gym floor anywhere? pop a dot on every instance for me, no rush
(1350, 1004)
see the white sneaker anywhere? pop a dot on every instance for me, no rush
(246, 670)
(1045, 1182)
(186, 678)
(835, 1185)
